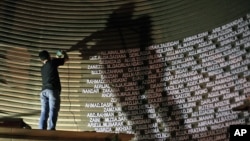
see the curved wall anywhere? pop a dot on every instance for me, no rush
(160, 69)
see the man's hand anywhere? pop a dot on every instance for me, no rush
(65, 56)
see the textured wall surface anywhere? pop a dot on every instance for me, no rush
(158, 69)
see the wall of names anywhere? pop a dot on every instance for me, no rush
(179, 90)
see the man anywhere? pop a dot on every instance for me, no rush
(51, 89)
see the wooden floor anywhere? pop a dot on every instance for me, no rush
(19, 134)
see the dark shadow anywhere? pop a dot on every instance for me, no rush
(3, 112)
(140, 90)
(2, 56)
(3, 81)
(15, 121)
(121, 32)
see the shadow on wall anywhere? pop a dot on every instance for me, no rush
(138, 83)
(121, 32)
(2, 80)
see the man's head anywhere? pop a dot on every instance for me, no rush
(44, 55)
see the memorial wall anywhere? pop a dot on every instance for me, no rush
(179, 90)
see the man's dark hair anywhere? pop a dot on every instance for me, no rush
(44, 55)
